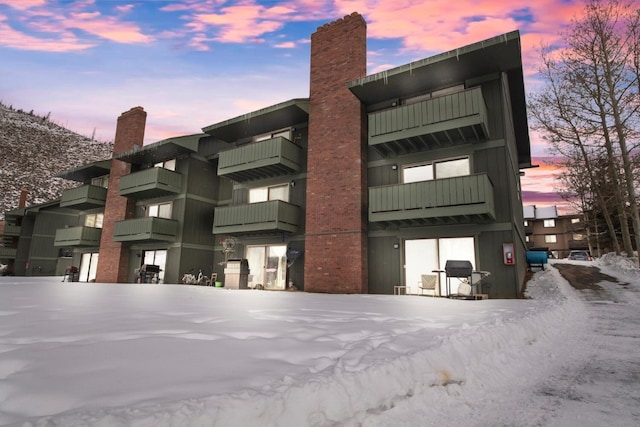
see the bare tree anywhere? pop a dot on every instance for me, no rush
(595, 92)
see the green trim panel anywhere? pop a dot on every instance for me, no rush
(274, 215)
(456, 118)
(458, 200)
(78, 236)
(150, 183)
(145, 229)
(84, 197)
(259, 160)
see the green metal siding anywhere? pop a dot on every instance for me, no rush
(145, 229)
(78, 236)
(274, 215)
(438, 199)
(84, 197)
(150, 183)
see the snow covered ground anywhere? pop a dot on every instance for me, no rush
(77, 354)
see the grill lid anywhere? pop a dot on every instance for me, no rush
(458, 268)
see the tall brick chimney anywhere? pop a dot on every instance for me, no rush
(22, 201)
(336, 225)
(113, 262)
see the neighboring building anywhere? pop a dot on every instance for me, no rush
(365, 185)
(560, 234)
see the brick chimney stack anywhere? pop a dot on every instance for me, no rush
(22, 201)
(113, 263)
(336, 226)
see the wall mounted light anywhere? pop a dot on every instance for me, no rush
(292, 183)
(394, 167)
(396, 246)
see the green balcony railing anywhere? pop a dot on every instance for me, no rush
(258, 160)
(12, 230)
(84, 197)
(150, 183)
(146, 229)
(269, 216)
(449, 119)
(463, 199)
(7, 253)
(78, 236)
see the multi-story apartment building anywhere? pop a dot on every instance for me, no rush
(365, 185)
(559, 234)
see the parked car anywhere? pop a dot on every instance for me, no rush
(579, 256)
(3, 269)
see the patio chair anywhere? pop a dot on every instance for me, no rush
(429, 282)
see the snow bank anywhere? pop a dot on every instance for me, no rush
(272, 358)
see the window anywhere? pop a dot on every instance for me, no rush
(549, 223)
(434, 94)
(436, 170)
(167, 164)
(575, 220)
(263, 194)
(527, 239)
(94, 220)
(160, 210)
(578, 236)
(101, 181)
(285, 133)
(551, 238)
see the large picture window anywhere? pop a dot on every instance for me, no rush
(436, 170)
(265, 194)
(94, 220)
(159, 210)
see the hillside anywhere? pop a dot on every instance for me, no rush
(33, 150)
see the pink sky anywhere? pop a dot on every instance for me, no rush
(191, 63)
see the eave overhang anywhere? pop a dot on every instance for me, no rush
(259, 122)
(495, 55)
(162, 150)
(84, 173)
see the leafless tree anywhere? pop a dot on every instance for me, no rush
(591, 104)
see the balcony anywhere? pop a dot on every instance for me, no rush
(459, 200)
(7, 253)
(265, 159)
(84, 197)
(448, 120)
(78, 236)
(272, 216)
(149, 229)
(12, 230)
(150, 183)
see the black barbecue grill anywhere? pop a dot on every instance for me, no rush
(457, 269)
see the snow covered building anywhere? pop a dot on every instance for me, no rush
(363, 187)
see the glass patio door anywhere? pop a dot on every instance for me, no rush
(267, 266)
(422, 256)
(88, 267)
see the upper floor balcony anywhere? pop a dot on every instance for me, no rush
(84, 197)
(148, 229)
(7, 252)
(150, 183)
(78, 236)
(459, 200)
(12, 230)
(439, 122)
(264, 159)
(271, 216)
